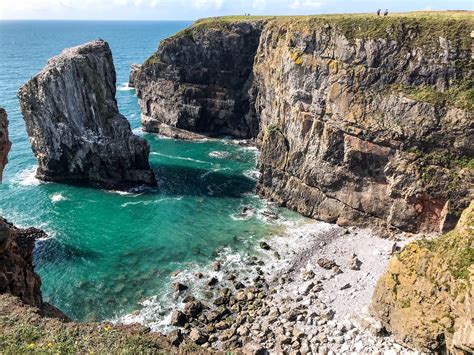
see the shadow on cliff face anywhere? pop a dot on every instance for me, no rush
(179, 180)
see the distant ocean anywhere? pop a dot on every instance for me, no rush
(111, 253)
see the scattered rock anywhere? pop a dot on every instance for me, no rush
(197, 336)
(193, 308)
(326, 263)
(179, 287)
(178, 318)
(265, 246)
(354, 263)
(212, 281)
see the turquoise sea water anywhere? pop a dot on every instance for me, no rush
(109, 251)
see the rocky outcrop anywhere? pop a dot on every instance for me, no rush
(134, 70)
(199, 80)
(425, 298)
(75, 128)
(362, 120)
(17, 275)
(5, 143)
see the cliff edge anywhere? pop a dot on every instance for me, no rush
(75, 128)
(359, 119)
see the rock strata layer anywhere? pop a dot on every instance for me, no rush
(425, 298)
(75, 128)
(200, 81)
(5, 143)
(360, 120)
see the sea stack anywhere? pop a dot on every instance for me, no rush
(75, 128)
(5, 143)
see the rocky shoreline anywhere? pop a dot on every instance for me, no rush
(306, 290)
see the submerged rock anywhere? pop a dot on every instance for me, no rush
(75, 128)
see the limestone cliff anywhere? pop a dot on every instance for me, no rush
(359, 119)
(199, 80)
(74, 125)
(425, 298)
(5, 143)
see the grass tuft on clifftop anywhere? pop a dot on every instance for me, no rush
(421, 27)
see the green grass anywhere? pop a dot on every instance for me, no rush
(460, 94)
(24, 331)
(423, 27)
(411, 28)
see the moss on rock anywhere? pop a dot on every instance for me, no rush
(420, 297)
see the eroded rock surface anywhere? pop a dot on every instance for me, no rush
(199, 80)
(5, 143)
(74, 125)
(16, 245)
(346, 135)
(360, 121)
(425, 296)
(17, 275)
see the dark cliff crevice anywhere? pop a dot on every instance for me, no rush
(372, 119)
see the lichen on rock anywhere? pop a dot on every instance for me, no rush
(425, 296)
(72, 119)
(347, 110)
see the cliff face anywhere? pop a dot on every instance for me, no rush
(361, 119)
(360, 130)
(425, 298)
(17, 276)
(75, 128)
(199, 80)
(5, 143)
(16, 245)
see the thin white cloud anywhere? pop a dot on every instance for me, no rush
(207, 4)
(259, 4)
(306, 4)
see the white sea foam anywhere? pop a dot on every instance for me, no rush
(214, 170)
(253, 174)
(125, 87)
(149, 202)
(138, 131)
(219, 154)
(57, 197)
(181, 158)
(27, 177)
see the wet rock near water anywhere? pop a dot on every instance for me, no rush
(75, 128)
(291, 304)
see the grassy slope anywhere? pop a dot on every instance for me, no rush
(24, 330)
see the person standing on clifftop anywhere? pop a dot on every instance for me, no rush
(386, 12)
(378, 12)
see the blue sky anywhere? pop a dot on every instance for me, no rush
(193, 9)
